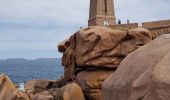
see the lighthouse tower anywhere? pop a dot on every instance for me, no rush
(101, 13)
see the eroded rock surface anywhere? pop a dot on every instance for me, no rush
(8, 91)
(91, 82)
(105, 48)
(92, 54)
(142, 75)
(68, 92)
(35, 86)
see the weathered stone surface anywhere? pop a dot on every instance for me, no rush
(35, 86)
(68, 73)
(102, 47)
(8, 91)
(91, 81)
(61, 82)
(96, 47)
(70, 91)
(105, 48)
(95, 52)
(143, 74)
(42, 96)
(62, 47)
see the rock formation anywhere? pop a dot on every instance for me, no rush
(8, 91)
(36, 86)
(91, 82)
(68, 92)
(143, 74)
(92, 54)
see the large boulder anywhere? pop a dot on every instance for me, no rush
(96, 46)
(90, 55)
(103, 47)
(142, 75)
(8, 91)
(91, 81)
(70, 91)
(99, 47)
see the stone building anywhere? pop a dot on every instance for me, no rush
(101, 13)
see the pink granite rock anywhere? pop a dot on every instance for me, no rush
(143, 74)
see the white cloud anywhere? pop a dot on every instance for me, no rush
(61, 11)
(142, 10)
(42, 24)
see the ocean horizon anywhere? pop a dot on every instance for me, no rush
(21, 70)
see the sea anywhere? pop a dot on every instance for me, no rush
(22, 70)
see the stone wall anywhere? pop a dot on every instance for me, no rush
(156, 24)
(124, 26)
(159, 31)
(156, 27)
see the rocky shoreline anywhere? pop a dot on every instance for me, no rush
(104, 64)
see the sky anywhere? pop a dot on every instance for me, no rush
(32, 28)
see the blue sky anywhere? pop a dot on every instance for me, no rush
(33, 28)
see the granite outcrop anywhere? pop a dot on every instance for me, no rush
(104, 64)
(92, 54)
(143, 74)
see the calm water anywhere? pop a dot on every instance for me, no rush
(22, 70)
